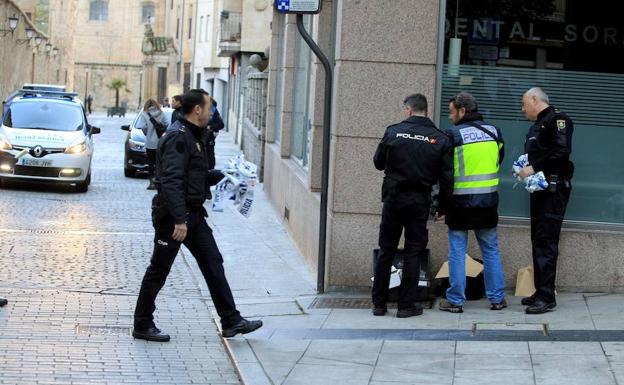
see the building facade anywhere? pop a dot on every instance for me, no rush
(381, 52)
(41, 45)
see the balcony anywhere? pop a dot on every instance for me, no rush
(229, 34)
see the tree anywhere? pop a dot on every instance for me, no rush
(117, 84)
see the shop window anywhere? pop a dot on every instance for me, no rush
(301, 93)
(498, 50)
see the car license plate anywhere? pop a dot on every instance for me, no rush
(36, 162)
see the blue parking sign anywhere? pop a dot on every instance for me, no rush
(298, 6)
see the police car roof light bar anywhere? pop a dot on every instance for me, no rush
(38, 93)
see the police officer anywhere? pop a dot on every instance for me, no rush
(183, 181)
(176, 104)
(415, 155)
(548, 145)
(478, 152)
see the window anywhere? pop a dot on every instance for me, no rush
(279, 81)
(171, 5)
(40, 115)
(207, 29)
(198, 81)
(201, 28)
(98, 10)
(178, 31)
(190, 27)
(301, 120)
(497, 52)
(147, 10)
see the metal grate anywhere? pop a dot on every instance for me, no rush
(354, 303)
(91, 330)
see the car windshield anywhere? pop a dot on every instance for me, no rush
(44, 115)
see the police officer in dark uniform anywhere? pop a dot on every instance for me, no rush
(183, 181)
(548, 145)
(415, 155)
(215, 125)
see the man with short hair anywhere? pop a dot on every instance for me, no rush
(548, 146)
(414, 155)
(178, 215)
(176, 104)
(478, 153)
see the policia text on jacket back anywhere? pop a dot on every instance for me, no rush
(415, 155)
(183, 180)
(548, 146)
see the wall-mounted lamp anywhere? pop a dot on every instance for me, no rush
(38, 40)
(13, 21)
(55, 52)
(29, 35)
(48, 47)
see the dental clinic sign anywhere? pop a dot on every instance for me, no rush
(298, 6)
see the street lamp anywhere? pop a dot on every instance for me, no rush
(55, 51)
(30, 32)
(13, 21)
(38, 40)
(48, 47)
(86, 82)
(140, 86)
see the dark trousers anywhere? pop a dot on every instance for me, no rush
(394, 218)
(201, 243)
(547, 212)
(151, 160)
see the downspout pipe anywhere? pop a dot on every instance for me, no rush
(320, 287)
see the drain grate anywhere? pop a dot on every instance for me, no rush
(354, 303)
(91, 330)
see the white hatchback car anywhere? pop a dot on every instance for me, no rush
(45, 137)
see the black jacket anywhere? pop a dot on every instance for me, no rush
(415, 155)
(216, 123)
(176, 115)
(182, 175)
(549, 144)
(462, 215)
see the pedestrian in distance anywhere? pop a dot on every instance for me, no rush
(478, 150)
(176, 104)
(414, 155)
(183, 181)
(89, 103)
(548, 146)
(165, 103)
(153, 123)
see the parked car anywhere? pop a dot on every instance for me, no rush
(45, 137)
(135, 158)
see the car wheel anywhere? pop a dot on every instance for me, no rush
(129, 173)
(83, 187)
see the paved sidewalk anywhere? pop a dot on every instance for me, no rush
(582, 342)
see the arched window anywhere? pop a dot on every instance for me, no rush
(147, 10)
(98, 10)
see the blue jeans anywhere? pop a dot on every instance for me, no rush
(492, 265)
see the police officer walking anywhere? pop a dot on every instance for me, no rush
(183, 181)
(415, 155)
(548, 145)
(478, 153)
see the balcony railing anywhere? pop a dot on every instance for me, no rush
(229, 33)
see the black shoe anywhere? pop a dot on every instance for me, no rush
(409, 312)
(379, 311)
(540, 307)
(528, 301)
(3, 302)
(499, 306)
(243, 327)
(151, 334)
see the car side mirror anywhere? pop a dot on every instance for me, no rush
(94, 130)
(125, 127)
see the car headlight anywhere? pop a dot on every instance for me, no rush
(136, 146)
(4, 143)
(77, 148)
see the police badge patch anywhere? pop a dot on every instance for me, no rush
(561, 124)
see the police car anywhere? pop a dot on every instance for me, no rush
(45, 137)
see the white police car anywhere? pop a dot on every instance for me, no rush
(45, 137)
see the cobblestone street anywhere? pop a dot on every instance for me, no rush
(71, 266)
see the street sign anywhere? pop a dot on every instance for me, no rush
(298, 6)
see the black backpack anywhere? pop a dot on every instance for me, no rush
(158, 126)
